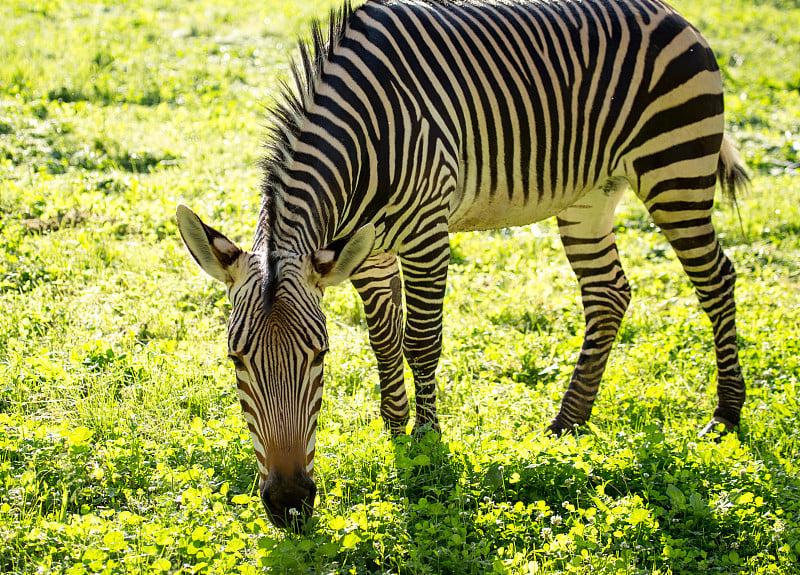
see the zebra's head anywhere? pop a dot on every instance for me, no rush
(277, 344)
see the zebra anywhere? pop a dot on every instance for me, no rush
(412, 119)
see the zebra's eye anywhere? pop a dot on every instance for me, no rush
(317, 361)
(237, 361)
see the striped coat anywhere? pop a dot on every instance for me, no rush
(415, 119)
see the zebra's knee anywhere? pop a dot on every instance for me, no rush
(728, 273)
(716, 291)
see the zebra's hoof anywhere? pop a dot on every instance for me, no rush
(719, 426)
(558, 428)
(422, 430)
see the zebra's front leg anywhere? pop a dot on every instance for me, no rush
(588, 239)
(378, 283)
(425, 279)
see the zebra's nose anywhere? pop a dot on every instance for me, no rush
(289, 501)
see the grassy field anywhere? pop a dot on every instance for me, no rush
(122, 447)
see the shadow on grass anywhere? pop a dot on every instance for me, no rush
(588, 502)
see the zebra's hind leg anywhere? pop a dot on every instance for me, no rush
(686, 222)
(378, 283)
(425, 280)
(588, 239)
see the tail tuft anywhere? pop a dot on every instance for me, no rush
(730, 170)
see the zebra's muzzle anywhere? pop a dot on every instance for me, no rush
(289, 501)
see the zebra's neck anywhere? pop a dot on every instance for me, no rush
(320, 157)
(314, 197)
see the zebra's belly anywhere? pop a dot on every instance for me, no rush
(498, 210)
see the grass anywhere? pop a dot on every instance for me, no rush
(122, 447)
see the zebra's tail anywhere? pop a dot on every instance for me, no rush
(730, 170)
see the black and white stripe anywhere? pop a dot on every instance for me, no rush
(429, 117)
(424, 117)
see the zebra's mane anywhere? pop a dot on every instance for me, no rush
(285, 116)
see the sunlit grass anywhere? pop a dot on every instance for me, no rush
(122, 447)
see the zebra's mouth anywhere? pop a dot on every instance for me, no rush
(289, 502)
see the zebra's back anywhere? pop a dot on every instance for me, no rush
(529, 105)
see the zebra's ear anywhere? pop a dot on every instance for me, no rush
(338, 260)
(210, 249)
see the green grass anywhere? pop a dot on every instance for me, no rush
(122, 447)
